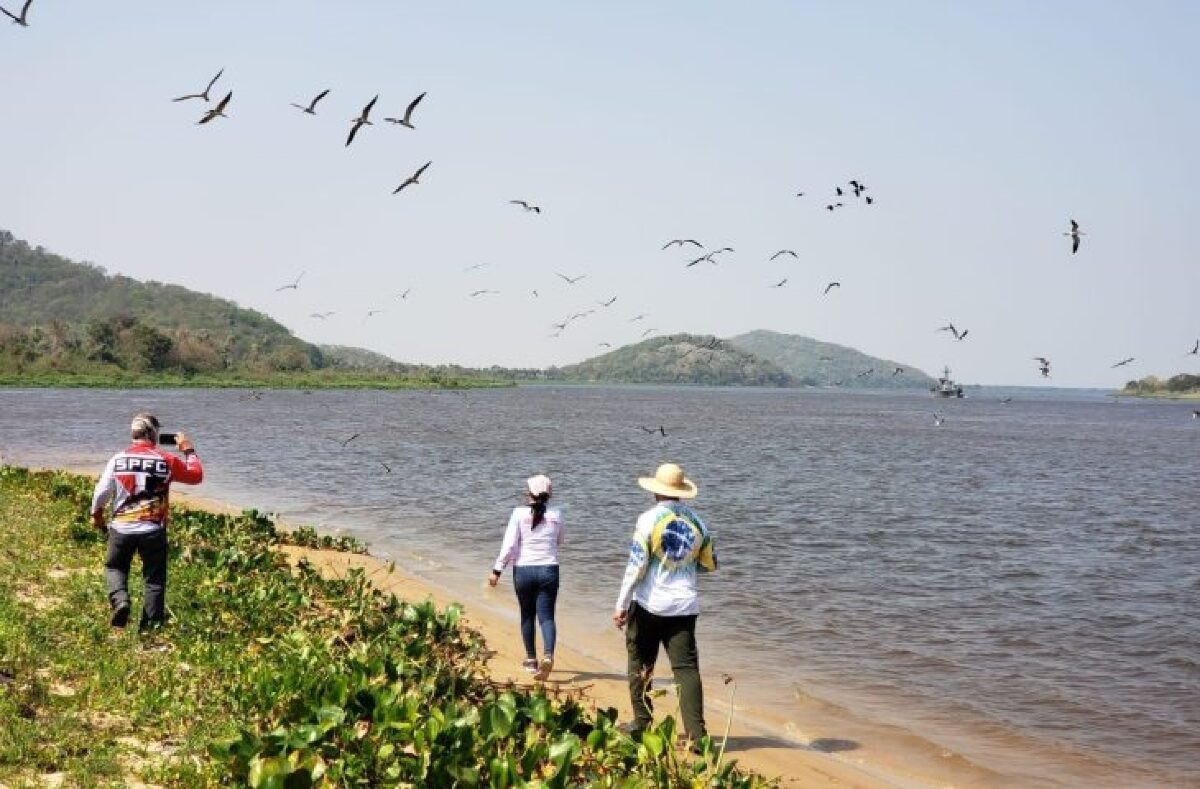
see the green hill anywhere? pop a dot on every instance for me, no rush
(62, 314)
(814, 363)
(677, 359)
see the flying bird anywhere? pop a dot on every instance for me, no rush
(386, 467)
(609, 303)
(831, 286)
(637, 317)
(370, 313)
(858, 188)
(475, 267)
(870, 199)
(484, 292)
(19, 20)
(1123, 362)
(604, 345)
(897, 371)
(865, 373)
(799, 194)
(651, 430)
(681, 241)
(363, 119)
(203, 95)
(722, 249)
(348, 440)
(784, 252)
(534, 292)
(1043, 365)
(311, 109)
(407, 119)
(839, 190)
(780, 283)
(957, 334)
(413, 179)
(321, 315)
(648, 331)
(701, 259)
(404, 293)
(295, 285)
(829, 208)
(938, 420)
(217, 111)
(1195, 351)
(1006, 401)
(1074, 233)
(570, 280)
(534, 208)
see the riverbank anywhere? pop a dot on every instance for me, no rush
(294, 660)
(319, 379)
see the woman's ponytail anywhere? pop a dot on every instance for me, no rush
(537, 506)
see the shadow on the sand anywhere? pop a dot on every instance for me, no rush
(751, 742)
(587, 676)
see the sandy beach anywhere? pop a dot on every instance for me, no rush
(824, 747)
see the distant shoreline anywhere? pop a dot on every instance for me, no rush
(1187, 396)
(283, 381)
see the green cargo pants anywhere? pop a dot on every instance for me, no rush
(644, 632)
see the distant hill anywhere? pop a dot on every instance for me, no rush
(89, 315)
(814, 363)
(345, 357)
(677, 359)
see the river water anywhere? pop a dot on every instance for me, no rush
(1018, 585)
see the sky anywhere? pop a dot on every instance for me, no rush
(979, 129)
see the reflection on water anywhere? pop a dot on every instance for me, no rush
(1024, 576)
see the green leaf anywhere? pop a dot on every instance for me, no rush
(653, 743)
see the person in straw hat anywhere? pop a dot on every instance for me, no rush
(531, 546)
(658, 603)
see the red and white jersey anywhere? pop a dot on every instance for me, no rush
(137, 482)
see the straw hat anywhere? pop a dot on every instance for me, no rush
(668, 480)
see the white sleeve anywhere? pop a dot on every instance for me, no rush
(512, 542)
(105, 488)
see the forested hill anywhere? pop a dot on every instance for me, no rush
(814, 363)
(677, 359)
(63, 314)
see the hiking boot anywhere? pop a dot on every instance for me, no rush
(120, 616)
(530, 664)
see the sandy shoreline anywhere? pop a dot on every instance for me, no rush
(821, 746)
(824, 748)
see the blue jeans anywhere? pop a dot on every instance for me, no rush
(537, 591)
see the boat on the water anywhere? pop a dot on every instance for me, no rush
(945, 386)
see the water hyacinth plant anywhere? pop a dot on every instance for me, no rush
(271, 674)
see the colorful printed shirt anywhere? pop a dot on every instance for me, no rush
(525, 546)
(670, 546)
(137, 482)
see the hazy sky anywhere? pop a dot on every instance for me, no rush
(979, 128)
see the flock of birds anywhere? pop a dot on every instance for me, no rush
(841, 192)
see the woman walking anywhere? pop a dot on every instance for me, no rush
(531, 546)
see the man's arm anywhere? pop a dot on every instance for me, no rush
(635, 570)
(102, 495)
(189, 471)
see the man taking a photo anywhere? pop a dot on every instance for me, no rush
(136, 482)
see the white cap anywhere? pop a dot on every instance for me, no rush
(538, 485)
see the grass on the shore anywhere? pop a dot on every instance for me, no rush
(316, 379)
(269, 675)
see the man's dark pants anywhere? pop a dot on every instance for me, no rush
(152, 548)
(644, 632)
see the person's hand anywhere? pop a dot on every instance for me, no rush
(619, 619)
(184, 443)
(494, 578)
(98, 520)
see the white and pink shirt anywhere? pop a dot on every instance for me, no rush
(525, 546)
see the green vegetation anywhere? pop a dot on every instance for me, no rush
(269, 674)
(1182, 387)
(70, 324)
(677, 359)
(801, 358)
